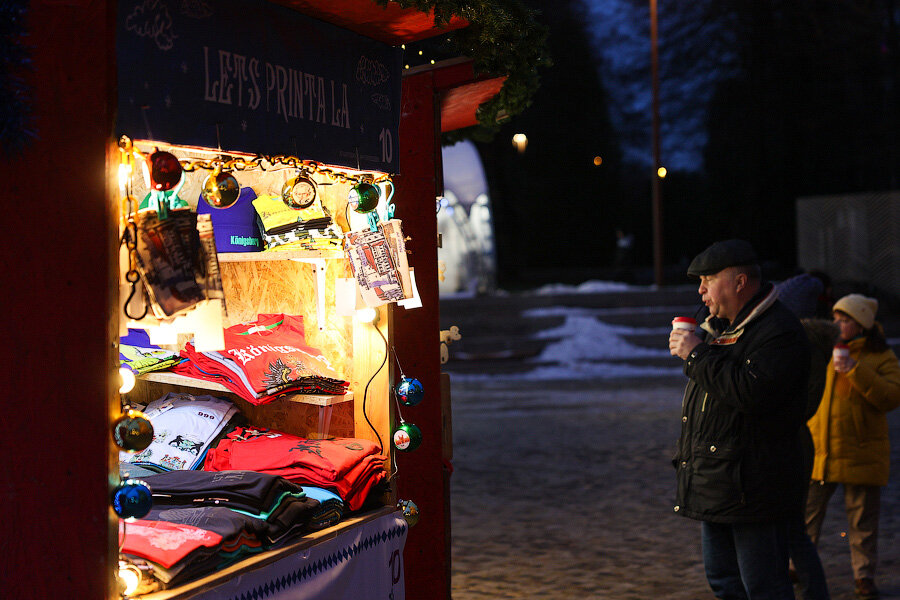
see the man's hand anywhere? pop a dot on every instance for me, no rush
(682, 342)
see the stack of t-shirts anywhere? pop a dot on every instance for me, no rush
(249, 512)
(171, 549)
(184, 426)
(331, 507)
(137, 354)
(327, 238)
(283, 227)
(265, 358)
(350, 467)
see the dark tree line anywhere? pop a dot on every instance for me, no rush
(788, 99)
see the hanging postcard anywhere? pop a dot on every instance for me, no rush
(373, 267)
(393, 234)
(176, 263)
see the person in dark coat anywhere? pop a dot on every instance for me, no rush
(739, 469)
(803, 294)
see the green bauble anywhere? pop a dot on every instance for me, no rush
(132, 431)
(407, 437)
(363, 197)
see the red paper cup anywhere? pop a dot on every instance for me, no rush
(686, 323)
(841, 350)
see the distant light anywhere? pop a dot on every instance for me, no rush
(405, 66)
(520, 142)
(661, 172)
(420, 53)
(403, 46)
(598, 161)
(432, 61)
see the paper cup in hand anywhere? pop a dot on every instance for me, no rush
(686, 323)
(841, 351)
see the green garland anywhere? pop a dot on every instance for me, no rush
(503, 38)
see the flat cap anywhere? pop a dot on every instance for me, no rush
(721, 255)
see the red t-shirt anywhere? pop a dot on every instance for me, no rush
(272, 352)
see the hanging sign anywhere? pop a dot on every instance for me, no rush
(252, 76)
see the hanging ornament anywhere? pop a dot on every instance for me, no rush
(410, 511)
(363, 197)
(221, 189)
(165, 171)
(407, 437)
(132, 431)
(132, 499)
(409, 391)
(299, 192)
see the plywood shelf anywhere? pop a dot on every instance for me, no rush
(185, 381)
(301, 255)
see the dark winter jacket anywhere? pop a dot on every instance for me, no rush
(739, 458)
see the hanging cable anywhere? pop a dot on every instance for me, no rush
(366, 391)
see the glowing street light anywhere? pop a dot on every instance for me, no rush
(661, 172)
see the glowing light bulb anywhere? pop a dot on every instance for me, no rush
(661, 172)
(367, 315)
(129, 578)
(598, 160)
(124, 175)
(127, 380)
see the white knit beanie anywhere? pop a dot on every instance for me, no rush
(861, 308)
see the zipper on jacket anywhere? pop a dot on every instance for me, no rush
(703, 406)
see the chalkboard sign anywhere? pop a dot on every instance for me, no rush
(251, 76)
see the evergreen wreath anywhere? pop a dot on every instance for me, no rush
(503, 38)
(15, 95)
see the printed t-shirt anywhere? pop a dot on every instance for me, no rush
(272, 351)
(183, 426)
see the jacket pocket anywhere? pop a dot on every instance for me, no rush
(716, 478)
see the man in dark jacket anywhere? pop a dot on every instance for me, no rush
(738, 461)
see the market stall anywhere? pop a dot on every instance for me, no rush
(260, 255)
(85, 122)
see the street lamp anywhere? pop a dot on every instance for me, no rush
(656, 191)
(520, 142)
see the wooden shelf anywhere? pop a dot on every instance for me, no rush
(302, 255)
(184, 381)
(257, 561)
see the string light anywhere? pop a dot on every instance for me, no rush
(129, 577)
(128, 380)
(661, 172)
(367, 315)
(263, 162)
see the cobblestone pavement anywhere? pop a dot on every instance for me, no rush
(564, 491)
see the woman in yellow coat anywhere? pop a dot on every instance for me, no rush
(850, 433)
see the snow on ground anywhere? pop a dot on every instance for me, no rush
(586, 347)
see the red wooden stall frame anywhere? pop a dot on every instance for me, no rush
(59, 260)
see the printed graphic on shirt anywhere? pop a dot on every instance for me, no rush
(311, 446)
(186, 445)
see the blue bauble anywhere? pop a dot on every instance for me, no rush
(132, 499)
(409, 391)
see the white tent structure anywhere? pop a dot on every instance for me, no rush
(466, 256)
